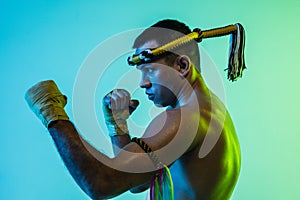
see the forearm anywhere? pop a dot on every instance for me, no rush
(95, 178)
(118, 132)
(117, 108)
(119, 141)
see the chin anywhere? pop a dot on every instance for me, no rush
(159, 105)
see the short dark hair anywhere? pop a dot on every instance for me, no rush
(166, 31)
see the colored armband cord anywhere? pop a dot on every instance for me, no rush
(161, 185)
(236, 63)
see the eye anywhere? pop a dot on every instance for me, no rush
(150, 70)
(147, 69)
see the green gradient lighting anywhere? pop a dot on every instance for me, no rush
(49, 40)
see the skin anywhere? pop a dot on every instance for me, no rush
(181, 89)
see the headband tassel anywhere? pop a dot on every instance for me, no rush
(236, 62)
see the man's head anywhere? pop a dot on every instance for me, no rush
(163, 78)
(166, 31)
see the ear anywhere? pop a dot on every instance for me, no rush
(184, 64)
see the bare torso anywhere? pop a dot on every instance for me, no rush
(215, 175)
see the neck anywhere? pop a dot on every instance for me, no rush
(192, 84)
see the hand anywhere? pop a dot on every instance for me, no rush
(117, 107)
(133, 103)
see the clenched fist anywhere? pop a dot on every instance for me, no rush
(117, 106)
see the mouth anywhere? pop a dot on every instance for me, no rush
(150, 96)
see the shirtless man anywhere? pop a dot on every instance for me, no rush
(193, 115)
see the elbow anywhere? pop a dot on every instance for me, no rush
(99, 191)
(104, 183)
(104, 189)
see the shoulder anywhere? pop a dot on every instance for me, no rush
(172, 133)
(170, 122)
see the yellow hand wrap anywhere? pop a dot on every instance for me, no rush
(47, 102)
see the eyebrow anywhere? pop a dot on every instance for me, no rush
(143, 66)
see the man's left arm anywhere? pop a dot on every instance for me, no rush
(117, 106)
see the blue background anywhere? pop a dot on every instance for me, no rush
(50, 40)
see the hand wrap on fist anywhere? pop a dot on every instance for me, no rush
(47, 102)
(117, 107)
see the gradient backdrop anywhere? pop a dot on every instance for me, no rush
(50, 40)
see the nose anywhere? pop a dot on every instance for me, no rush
(145, 83)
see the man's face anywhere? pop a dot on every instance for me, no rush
(158, 79)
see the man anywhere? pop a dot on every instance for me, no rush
(194, 117)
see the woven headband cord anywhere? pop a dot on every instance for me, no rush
(236, 63)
